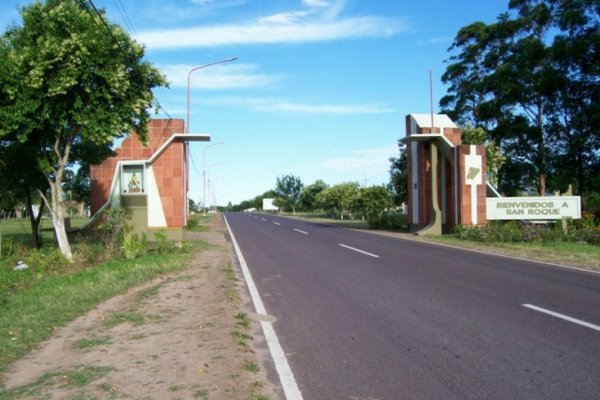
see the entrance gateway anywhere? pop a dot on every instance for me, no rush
(447, 183)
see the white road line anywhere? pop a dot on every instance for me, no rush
(359, 251)
(286, 376)
(258, 304)
(276, 223)
(300, 231)
(263, 219)
(562, 316)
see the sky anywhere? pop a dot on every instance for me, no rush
(319, 90)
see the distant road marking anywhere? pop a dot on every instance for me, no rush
(300, 231)
(286, 376)
(263, 219)
(562, 316)
(359, 251)
(276, 223)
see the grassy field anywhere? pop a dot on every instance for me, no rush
(568, 253)
(52, 292)
(19, 230)
(35, 307)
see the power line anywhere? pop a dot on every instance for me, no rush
(125, 17)
(129, 25)
(126, 20)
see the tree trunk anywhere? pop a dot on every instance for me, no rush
(34, 220)
(57, 207)
(542, 185)
(58, 219)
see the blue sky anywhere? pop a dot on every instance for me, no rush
(320, 88)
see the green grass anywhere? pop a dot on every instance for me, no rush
(200, 222)
(92, 342)
(571, 253)
(201, 394)
(252, 367)
(118, 318)
(19, 230)
(38, 302)
(76, 377)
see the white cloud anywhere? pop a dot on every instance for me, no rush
(321, 9)
(315, 3)
(318, 21)
(218, 76)
(287, 107)
(283, 18)
(362, 160)
(442, 40)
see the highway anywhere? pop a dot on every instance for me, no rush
(365, 316)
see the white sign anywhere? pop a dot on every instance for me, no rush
(269, 206)
(534, 208)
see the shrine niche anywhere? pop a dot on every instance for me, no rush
(132, 178)
(149, 181)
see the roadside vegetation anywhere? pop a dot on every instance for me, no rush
(42, 299)
(50, 290)
(583, 231)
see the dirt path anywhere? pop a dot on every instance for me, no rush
(183, 336)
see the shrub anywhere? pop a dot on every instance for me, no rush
(582, 230)
(113, 227)
(392, 220)
(182, 247)
(161, 242)
(11, 247)
(192, 222)
(134, 245)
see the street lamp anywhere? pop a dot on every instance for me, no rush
(204, 172)
(187, 127)
(209, 187)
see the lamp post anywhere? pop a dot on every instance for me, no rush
(187, 127)
(204, 172)
(209, 187)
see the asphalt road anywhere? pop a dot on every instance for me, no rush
(363, 316)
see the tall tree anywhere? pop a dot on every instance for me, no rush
(71, 77)
(399, 176)
(531, 80)
(340, 199)
(22, 181)
(308, 197)
(288, 188)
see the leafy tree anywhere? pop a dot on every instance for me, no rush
(308, 197)
(339, 199)
(531, 81)
(21, 182)
(77, 185)
(374, 200)
(70, 77)
(399, 176)
(289, 188)
(192, 206)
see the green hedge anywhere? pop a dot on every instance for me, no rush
(583, 230)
